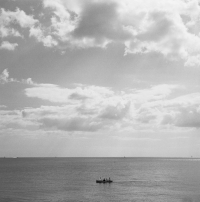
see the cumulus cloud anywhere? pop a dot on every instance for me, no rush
(115, 112)
(168, 27)
(9, 18)
(6, 31)
(94, 108)
(9, 21)
(72, 124)
(180, 112)
(188, 117)
(183, 111)
(159, 92)
(8, 46)
(14, 121)
(161, 28)
(86, 108)
(100, 21)
(142, 26)
(55, 93)
(18, 16)
(39, 35)
(5, 78)
(103, 106)
(62, 23)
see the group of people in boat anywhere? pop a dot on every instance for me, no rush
(105, 179)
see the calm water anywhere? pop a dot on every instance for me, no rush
(73, 179)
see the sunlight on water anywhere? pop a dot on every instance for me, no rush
(74, 179)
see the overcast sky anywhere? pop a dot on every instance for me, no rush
(100, 78)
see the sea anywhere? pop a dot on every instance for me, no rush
(74, 179)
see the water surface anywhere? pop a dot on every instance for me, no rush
(73, 179)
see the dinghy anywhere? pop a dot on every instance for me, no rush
(104, 181)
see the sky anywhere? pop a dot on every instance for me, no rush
(99, 78)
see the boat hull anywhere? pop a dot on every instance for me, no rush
(104, 181)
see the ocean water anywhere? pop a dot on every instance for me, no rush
(73, 179)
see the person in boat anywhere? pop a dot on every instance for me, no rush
(100, 178)
(104, 179)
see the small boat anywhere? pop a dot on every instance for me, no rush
(104, 181)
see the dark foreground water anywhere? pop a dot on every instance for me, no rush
(73, 179)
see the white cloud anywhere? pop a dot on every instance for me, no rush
(8, 46)
(105, 107)
(62, 21)
(167, 27)
(143, 26)
(183, 111)
(6, 31)
(179, 112)
(4, 78)
(115, 112)
(93, 108)
(13, 120)
(92, 114)
(160, 27)
(38, 33)
(18, 16)
(72, 124)
(159, 92)
(8, 20)
(54, 93)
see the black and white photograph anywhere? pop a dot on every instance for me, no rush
(99, 100)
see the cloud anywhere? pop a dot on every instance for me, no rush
(100, 21)
(102, 105)
(162, 29)
(72, 124)
(95, 108)
(48, 92)
(38, 34)
(183, 111)
(18, 16)
(146, 115)
(6, 31)
(154, 93)
(8, 28)
(161, 32)
(4, 78)
(169, 28)
(13, 120)
(62, 21)
(116, 112)
(8, 46)
(55, 93)
(180, 112)
(143, 27)
(188, 117)
(86, 108)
